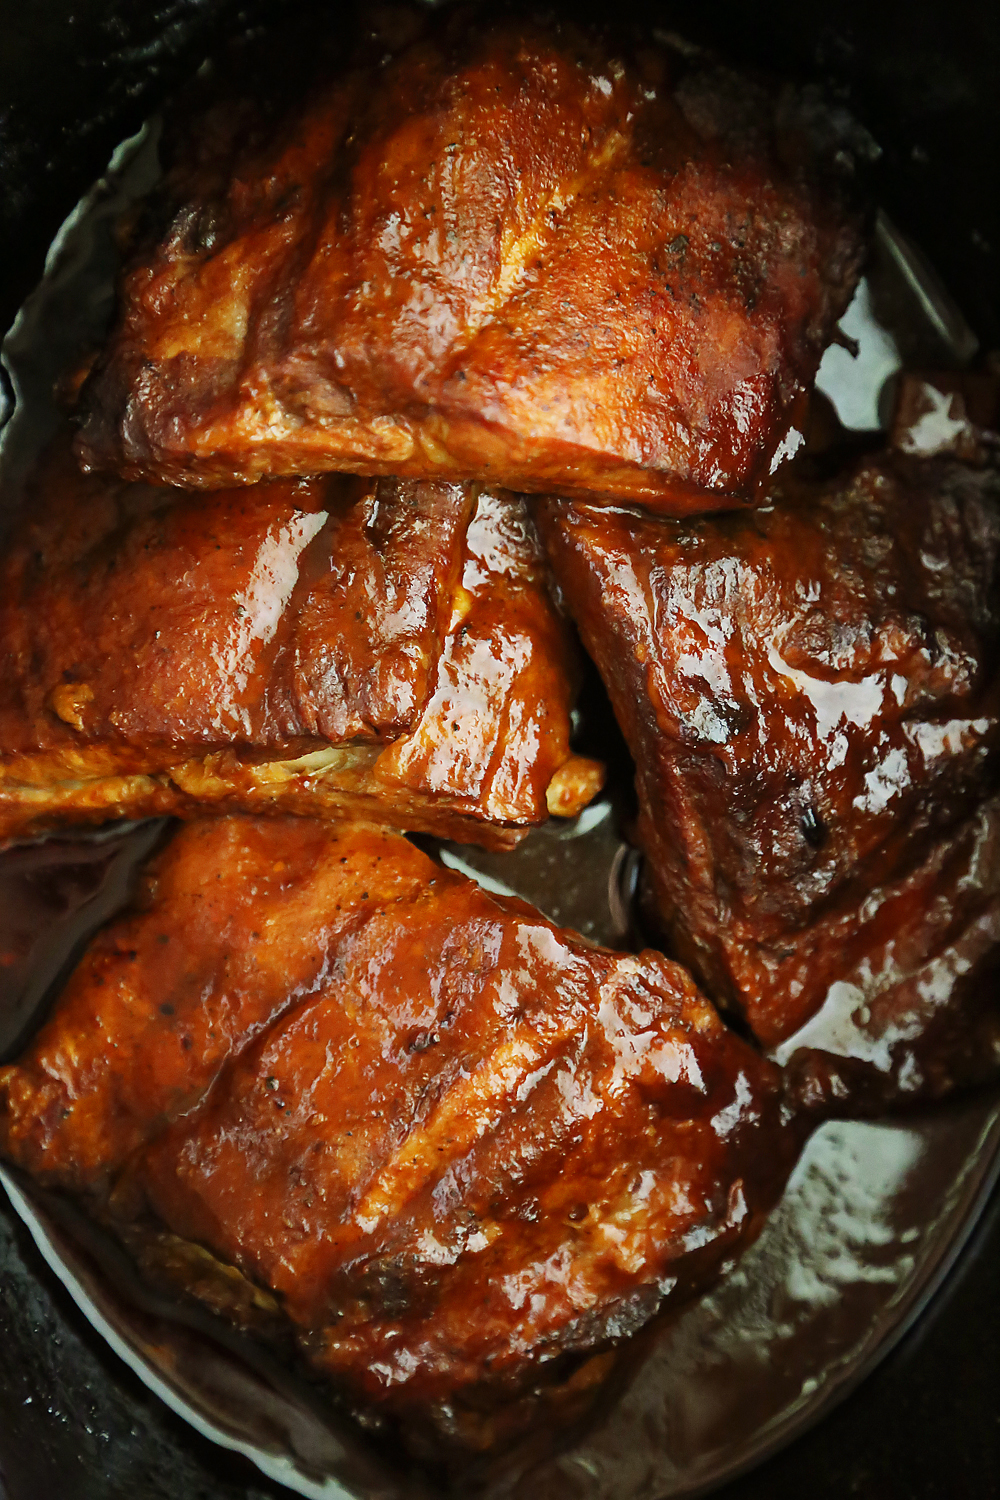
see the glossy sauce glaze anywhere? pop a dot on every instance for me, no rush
(322, 646)
(811, 698)
(462, 1147)
(499, 251)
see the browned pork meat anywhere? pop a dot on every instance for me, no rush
(811, 695)
(459, 1146)
(501, 252)
(387, 650)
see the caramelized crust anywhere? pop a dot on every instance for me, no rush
(501, 252)
(455, 1141)
(387, 649)
(810, 695)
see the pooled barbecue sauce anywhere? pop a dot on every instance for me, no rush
(53, 897)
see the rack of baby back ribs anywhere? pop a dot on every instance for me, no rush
(499, 326)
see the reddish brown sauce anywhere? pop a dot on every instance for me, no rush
(53, 896)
